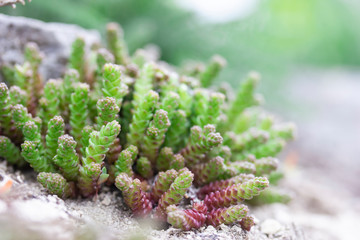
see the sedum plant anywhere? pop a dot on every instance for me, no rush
(154, 132)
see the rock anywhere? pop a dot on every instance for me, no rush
(224, 227)
(210, 229)
(270, 226)
(37, 210)
(106, 201)
(54, 40)
(3, 207)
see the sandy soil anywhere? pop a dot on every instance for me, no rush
(315, 213)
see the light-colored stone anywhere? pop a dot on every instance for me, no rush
(270, 226)
(106, 201)
(37, 210)
(224, 227)
(210, 229)
(3, 207)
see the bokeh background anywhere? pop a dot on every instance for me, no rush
(308, 52)
(274, 37)
(271, 36)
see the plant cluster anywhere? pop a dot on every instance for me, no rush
(153, 131)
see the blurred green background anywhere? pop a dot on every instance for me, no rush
(275, 38)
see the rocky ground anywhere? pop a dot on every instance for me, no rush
(27, 211)
(317, 211)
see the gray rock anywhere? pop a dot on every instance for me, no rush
(54, 40)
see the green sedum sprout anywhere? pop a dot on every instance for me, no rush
(79, 109)
(10, 152)
(77, 56)
(66, 158)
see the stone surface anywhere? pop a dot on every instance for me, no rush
(54, 40)
(270, 226)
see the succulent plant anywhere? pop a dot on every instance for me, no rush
(77, 56)
(152, 131)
